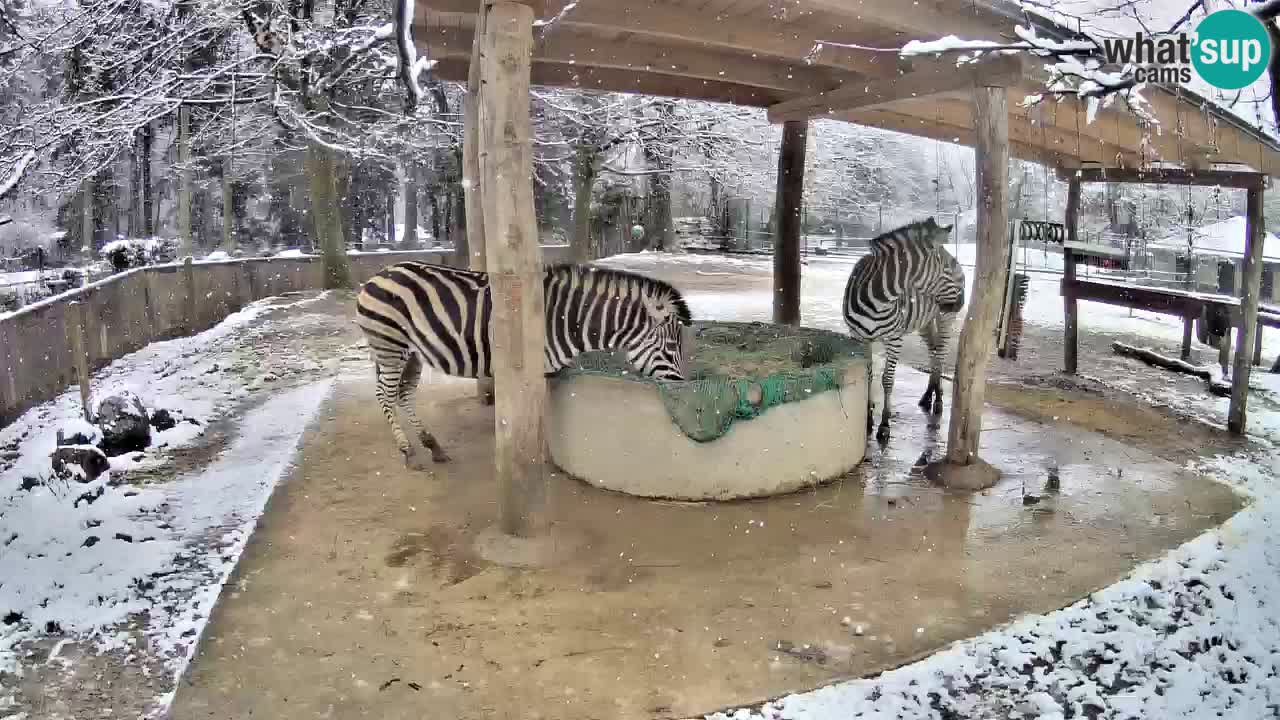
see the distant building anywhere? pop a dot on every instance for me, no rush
(1216, 258)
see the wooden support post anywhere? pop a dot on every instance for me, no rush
(77, 324)
(1257, 346)
(517, 330)
(991, 152)
(1249, 300)
(473, 199)
(1071, 328)
(786, 245)
(1188, 326)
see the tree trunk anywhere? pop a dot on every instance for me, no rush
(584, 179)
(1250, 297)
(410, 237)
(136, 220)
(347, 213)
(326, 215)
(186, 246)
(991, 153)
(229, 234)
(434, 198)
(87, 224)
(446, 215)
(461, 248)
(659, 231)
(148, 214)
(518, 325)
(389, 220)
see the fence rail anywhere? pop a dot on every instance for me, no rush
(128, 310)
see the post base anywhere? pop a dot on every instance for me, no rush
(544, 549)
(977, 475)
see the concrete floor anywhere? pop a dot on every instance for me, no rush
(362, 595)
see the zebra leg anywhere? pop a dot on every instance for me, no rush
(388, 366)
(936, 337)
(409, 378)
(871, 405)
(892, 347)
(929, 334)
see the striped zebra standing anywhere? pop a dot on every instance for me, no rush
(413, 313)
(908, 283)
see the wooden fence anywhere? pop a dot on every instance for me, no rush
(124, 312)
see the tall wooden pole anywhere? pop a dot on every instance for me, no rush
(991, 152)
(786, 246)
(474, 201)
(1249, 299)
(1071, 320)
(517, 330)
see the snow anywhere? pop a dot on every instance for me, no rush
(22, 277)
(96, 561)
(292, 252)
(217, 255)
(1224, 238)
(945, 44)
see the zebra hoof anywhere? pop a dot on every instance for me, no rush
(882, 434)
(414, 461)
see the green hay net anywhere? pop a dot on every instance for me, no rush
(740, 370)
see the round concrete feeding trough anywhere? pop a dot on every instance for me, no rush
(770, 410)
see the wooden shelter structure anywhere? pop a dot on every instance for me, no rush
(802, 59)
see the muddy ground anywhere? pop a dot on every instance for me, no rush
(363, 594)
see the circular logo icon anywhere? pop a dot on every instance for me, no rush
(1232, 49)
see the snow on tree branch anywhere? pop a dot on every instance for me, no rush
(8, 184)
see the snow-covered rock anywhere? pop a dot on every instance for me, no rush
(125, 424)
(81, 463)
(162, 420)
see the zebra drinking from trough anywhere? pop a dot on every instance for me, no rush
(414, 313)
(908, 283)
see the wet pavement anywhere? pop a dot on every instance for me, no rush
(362, 595)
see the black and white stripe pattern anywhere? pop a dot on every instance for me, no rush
(413, 313)
(908, 283)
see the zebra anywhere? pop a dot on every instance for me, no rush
(908, 283)
(415, 313)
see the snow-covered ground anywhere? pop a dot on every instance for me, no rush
(1195, 634)
(130, 569)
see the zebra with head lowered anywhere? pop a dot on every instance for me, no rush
(908, 283)
(414, 313)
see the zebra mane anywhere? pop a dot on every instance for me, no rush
(916, 233)
(641, 282)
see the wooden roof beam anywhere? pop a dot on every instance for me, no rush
(642, 56)
(942, 77)
(1169, 176)
(694, 28)
(626, 81)
(920, 18)
(945, 131)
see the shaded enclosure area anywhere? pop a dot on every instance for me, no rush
(362, 592)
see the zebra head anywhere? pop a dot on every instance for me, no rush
(950, 286)
(662, 349)
(643, 319)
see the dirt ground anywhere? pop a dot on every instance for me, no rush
(362, 593)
